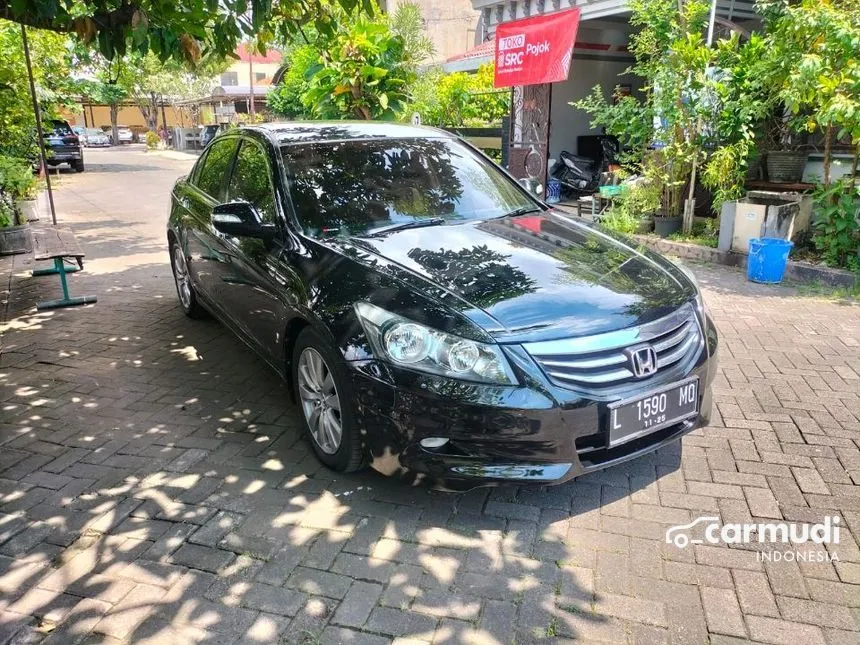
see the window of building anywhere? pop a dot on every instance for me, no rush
(229, 78)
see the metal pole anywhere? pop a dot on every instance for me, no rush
(39, 131)
(251, 78)
(711, 21)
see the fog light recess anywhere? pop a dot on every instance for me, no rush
(432, 443)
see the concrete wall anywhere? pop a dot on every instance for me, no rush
(243, 72)
(451, 24)
(567, 123)
(129, 115)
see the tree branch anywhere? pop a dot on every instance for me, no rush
(63, 23)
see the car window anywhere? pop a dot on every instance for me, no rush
(251, 182)
(58, 129)
(350, 187)
(94, 131)
(210, 178)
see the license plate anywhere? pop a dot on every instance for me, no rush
(635, 417)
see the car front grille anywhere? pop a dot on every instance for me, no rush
(602, 362)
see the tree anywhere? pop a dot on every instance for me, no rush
(52, 74)
(459, 99)
(286, 98)
(388, 49)
(181, 29)
(365, 73)
(818, 49)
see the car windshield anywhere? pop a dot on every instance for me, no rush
(94, 131)
(350, 188)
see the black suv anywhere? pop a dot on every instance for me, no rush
(62, 145)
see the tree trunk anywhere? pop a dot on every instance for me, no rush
(114, 117)
(828, 146)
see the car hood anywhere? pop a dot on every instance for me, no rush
(534, 277)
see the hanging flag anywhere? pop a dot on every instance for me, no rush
(535, 50)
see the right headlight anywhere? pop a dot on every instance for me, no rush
(416, 346)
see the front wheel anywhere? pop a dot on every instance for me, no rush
(325, 397)
(184, 288)
(78, 165)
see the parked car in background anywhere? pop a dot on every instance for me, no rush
(207, 133)
(124, 134)
(95, 138)
(432, 317)
(62, 145)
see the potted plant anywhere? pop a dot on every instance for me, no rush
(13, 238)
(19, 182)
(786, 162)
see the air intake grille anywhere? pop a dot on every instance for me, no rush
(603, 361)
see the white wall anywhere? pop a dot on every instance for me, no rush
(567, 122)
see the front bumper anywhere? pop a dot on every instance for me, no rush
(536, 433)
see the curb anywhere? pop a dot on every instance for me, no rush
(794, 271)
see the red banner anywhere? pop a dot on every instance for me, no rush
(535, 50)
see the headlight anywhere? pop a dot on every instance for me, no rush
(418, 347)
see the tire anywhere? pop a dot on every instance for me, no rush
(345, 455)
(184, 289)
(78, 165)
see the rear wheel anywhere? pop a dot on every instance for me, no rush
(184, 288)
(325, 397)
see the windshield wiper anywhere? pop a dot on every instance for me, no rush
(402, 226)
(522, 210)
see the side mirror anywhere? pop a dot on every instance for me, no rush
(239, 219)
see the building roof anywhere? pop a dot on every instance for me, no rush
(272, 56)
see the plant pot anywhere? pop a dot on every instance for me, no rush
(28, 209)
(754, 169)
(15, 239)
(646, 224)
(785, 166)
(665, 226)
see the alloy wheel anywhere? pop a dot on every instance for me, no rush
(320, 401)
(180, 274)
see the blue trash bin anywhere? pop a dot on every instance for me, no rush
(553, 191)
(767, 259)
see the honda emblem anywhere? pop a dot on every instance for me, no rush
(643, 360)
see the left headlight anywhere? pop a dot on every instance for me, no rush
(416, 346)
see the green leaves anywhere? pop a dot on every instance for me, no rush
(182, 29)
(836, 231)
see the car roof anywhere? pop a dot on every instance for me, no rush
(294, 132)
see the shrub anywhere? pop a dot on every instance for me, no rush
(7, 209)
(836, 232)
(16, 178)
(152, 140)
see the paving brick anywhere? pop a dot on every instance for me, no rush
(356, 606)
(783, 632)
(722, 611)
(202, 557)
(272, 600)
(386, 620)
(319, 583)
(754, 593)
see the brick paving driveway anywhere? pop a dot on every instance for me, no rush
(154, 487)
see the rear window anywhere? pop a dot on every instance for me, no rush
(58, 129)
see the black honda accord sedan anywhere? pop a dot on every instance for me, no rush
(429, 314)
